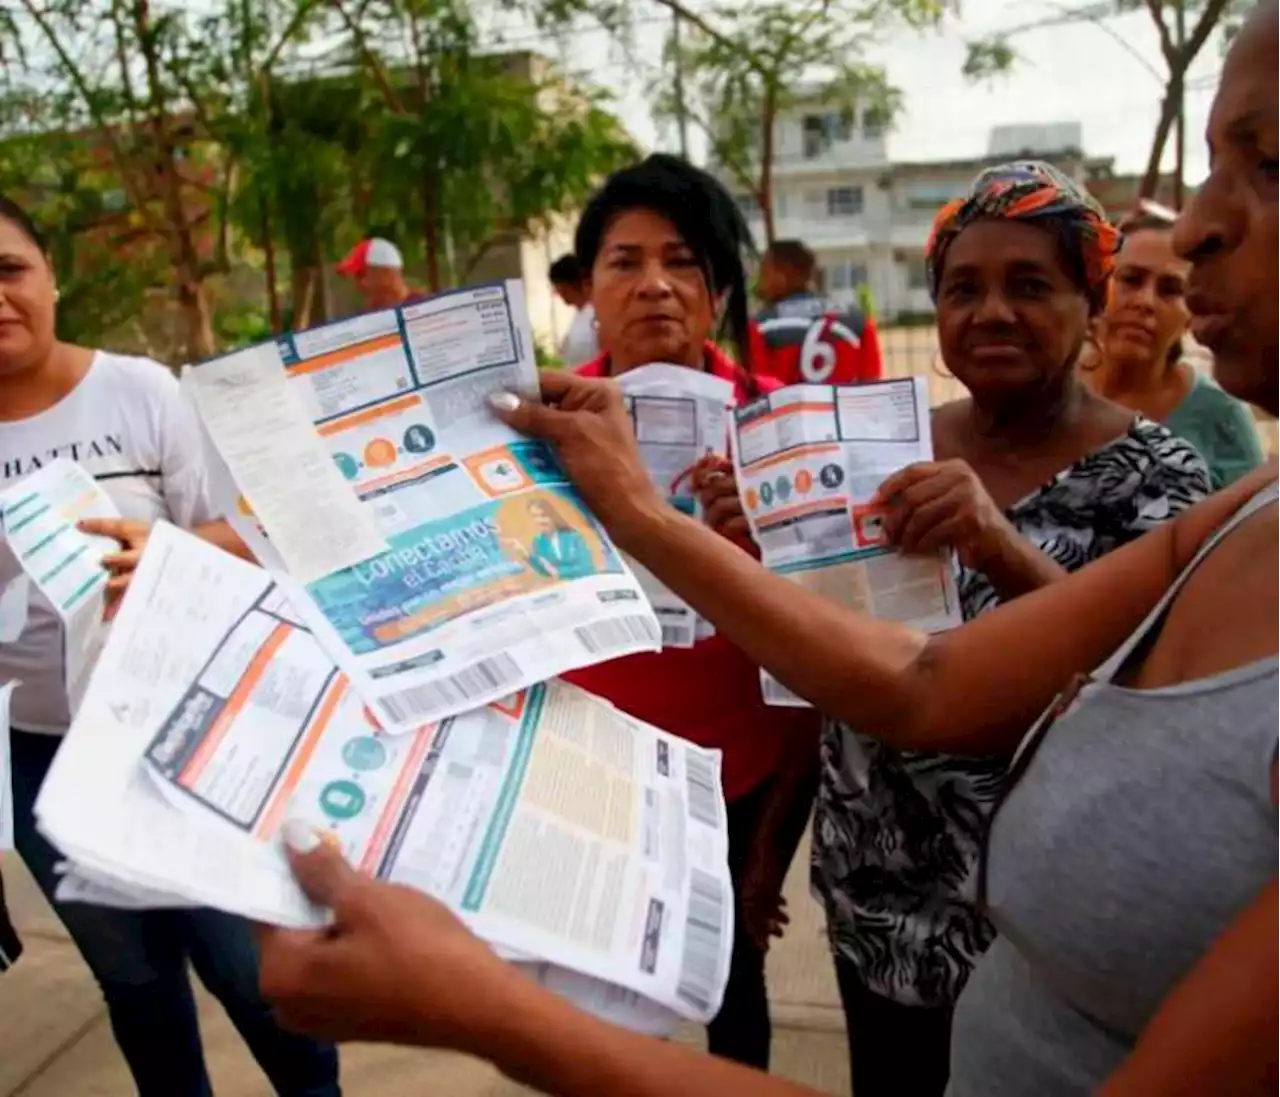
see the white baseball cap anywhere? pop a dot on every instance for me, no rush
(373, 252)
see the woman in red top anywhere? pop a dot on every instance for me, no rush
(662, 244)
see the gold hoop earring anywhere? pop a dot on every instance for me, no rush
(940, 370)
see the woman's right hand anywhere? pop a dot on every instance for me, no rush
(587, 423)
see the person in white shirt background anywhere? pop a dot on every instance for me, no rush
(123, 420)
(581, 342)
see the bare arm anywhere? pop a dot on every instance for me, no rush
(975, 689)
(1216, 1032)
(541, 1041)
(221, 534)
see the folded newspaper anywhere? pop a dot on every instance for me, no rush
(680, 415)
(809, 459)
(570, 836)
(441, 559)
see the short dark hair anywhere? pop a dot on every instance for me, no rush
(567, 271)
(16, 215)
(794, 255)
(703, 213)
(1144, 221)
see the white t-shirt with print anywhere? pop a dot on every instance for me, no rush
(129, 426)
(581, 343)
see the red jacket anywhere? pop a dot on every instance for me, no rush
(709, 693)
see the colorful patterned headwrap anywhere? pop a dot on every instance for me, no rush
(1026, 190)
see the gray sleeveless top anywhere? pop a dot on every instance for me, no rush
(1133, 832)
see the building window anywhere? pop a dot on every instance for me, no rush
(917, 275)
(844, 201)
(844, 277)
(929, 197)
(821, 131)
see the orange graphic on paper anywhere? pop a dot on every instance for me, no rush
(753, 499)
(868, 526)
(497, 472)
(379, 454)
(242, 505)
(804, 481)
(512, 706)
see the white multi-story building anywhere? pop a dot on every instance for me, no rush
(866, 218)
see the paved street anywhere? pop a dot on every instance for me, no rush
(55, 1041)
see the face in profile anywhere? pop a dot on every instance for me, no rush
(543, 517)
(651, 298)
(1147, 311)
(27, 301)
(1228, 230)
(1010, 317)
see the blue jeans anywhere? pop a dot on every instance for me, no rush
(140, 961)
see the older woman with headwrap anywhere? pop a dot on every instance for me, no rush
(1034, 477)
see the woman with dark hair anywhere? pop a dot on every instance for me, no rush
(124, 421)
(1144, 364)
(661, 247)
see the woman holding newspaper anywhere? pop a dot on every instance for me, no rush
(123, 421)
(1130, 867)
(662, 244)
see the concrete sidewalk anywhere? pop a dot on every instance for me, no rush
(55, 1040)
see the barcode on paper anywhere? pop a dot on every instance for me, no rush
(703, 930)
(678, 636)
(700, 782)
(471, 683)
(618, 634)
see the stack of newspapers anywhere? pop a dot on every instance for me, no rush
(388, 674)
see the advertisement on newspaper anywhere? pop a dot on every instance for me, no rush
(38, 523)
(808, 460)
(441, 559)
(680, 415)
(557, 827)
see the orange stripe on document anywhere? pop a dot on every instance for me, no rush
(812, 450)
(799, 511)
(286, 788)
(235, 703)
(345, 354)
(367, 416)
(788, 409)
(391, 813)
(408, 474)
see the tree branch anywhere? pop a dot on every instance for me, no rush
(1209, 18)
(370, 58)
(1155, 8)
(691, 17)
(305, 8)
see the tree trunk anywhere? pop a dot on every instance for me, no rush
(431, 232)
(197, 320)
(304, 295)
(1168, 115)
(764, 190)
(273, 282)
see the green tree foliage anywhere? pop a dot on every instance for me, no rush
(744, 65)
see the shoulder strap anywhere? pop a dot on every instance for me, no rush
(1263, 497)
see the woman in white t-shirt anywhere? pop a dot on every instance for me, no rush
(125, 422)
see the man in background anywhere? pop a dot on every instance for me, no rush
(801, 337)
(580, 344)
(376, 267)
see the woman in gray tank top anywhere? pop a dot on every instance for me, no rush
(1132, 866)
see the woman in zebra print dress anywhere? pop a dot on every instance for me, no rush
(1034, 477)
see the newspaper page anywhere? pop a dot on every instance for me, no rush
(15, 597)
(6, 769)
(680, 415)
(38, 515)
(555, 825)
(809, 459)
(493, 574)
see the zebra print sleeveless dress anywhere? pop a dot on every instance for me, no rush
(896, 834)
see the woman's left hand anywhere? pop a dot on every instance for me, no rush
(132, 536)
(717, 491)
(937, 505)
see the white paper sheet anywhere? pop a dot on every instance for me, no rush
(6, 769)
(680, 415)
(496, 576)
(809, 459)
(15, 598)
(555, 825)
(38, 517)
